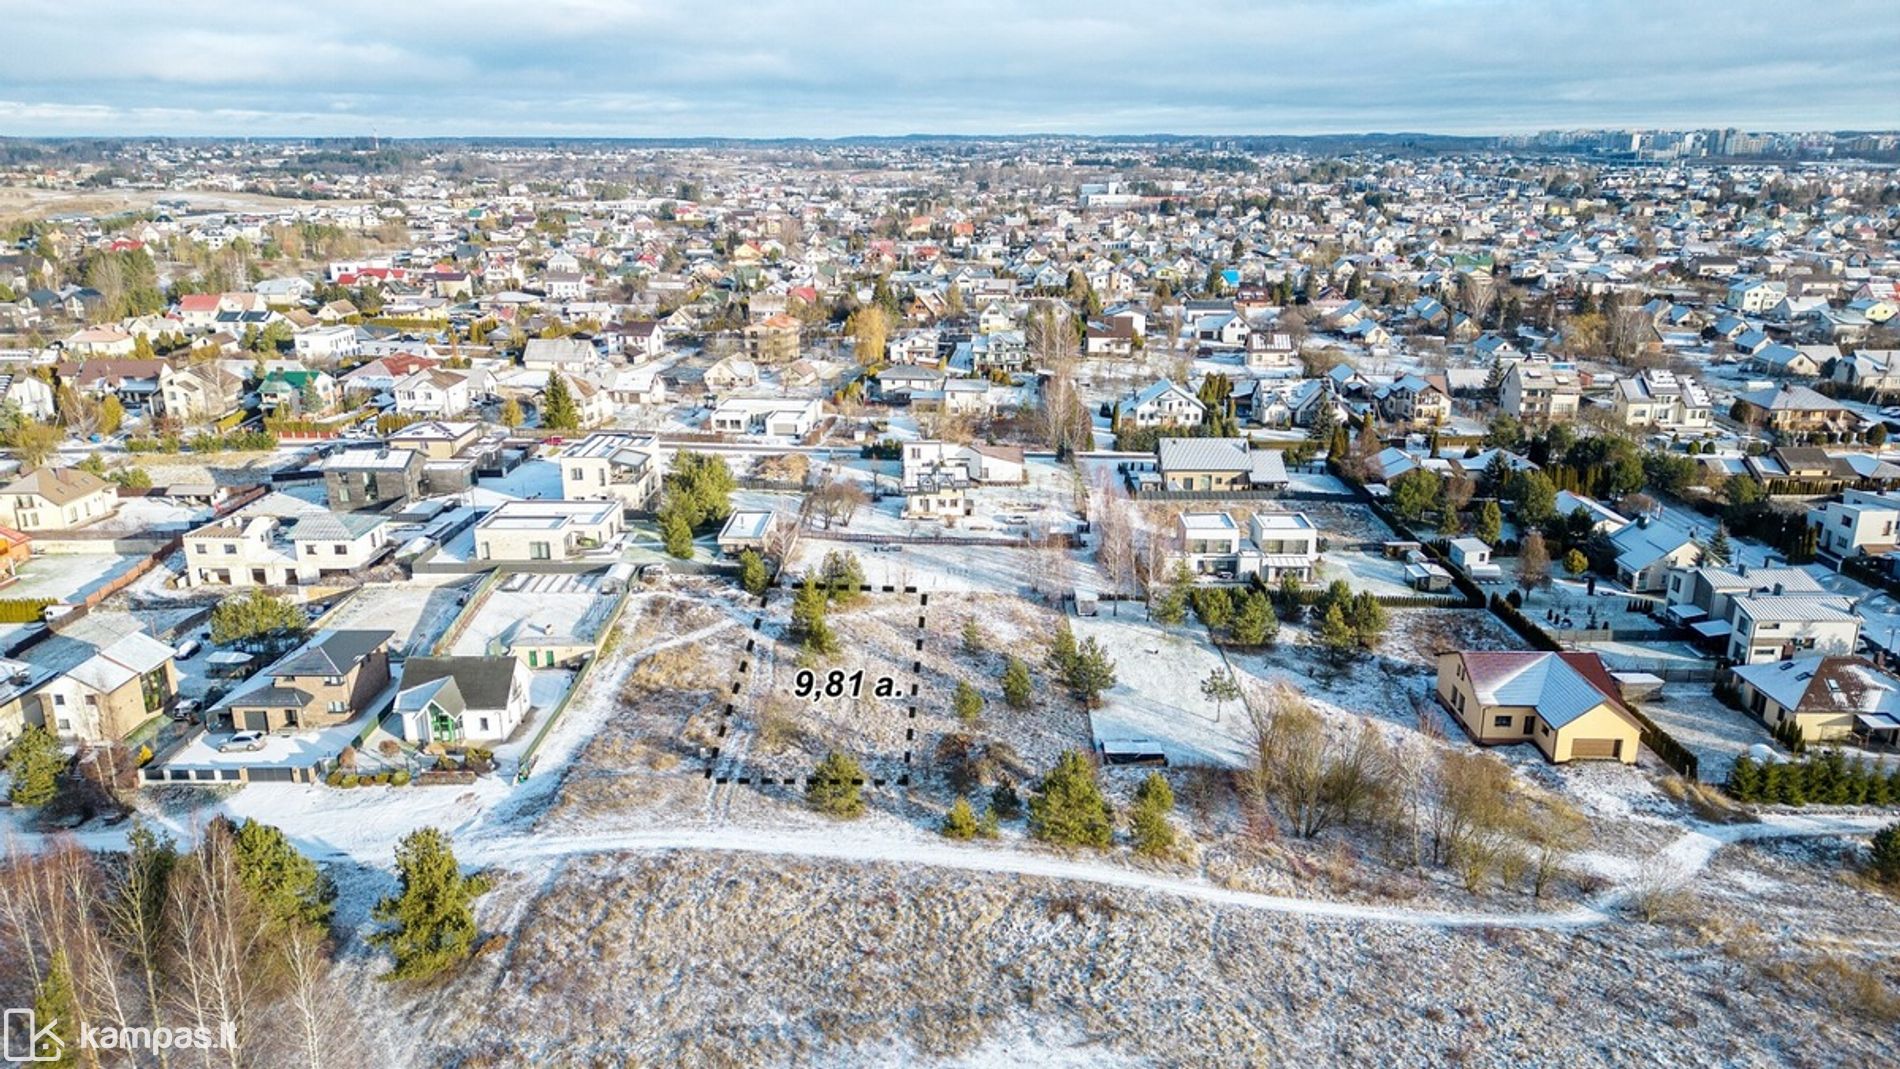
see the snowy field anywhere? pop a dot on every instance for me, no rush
(1157, 695)
(67, 576)
(525, 604)
(419, 610)
(1715, 733)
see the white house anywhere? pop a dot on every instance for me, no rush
(1161, 404)
(1860, 522)
(935, 464)
(433, 393)
(528, 531)
(1658, 398)
(619, 466)
(782, 416)
(461, 699)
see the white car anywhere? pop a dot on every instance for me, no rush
(242, 741)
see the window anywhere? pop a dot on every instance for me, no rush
(339, 707)
(339, 549)
(230, 549)
(484, 723)
(1501, 721)
(538, 551)
(59, 699)
(333, 681)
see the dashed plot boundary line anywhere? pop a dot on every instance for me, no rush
(742, 669)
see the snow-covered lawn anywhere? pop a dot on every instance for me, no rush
(1157, 694)
(418, 610)
(1715, 733)
(1373, 572)
(67, 576)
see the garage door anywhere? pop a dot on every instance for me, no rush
(1586, 749)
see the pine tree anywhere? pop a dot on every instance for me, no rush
(973, 638)
(753, 577)
(288, 886)
(1171, 607)
(1068, 807)
(1220, 687)
(836, 788)
(1745, 779)
(1490, 522)
(1883, 858)
(809, 626)
(1018, 689)
(1091, 673)
(1368, 619)
(558, 412)
(1148, 820)
(35, 763)
(1255, 624)
(432, 915)
(967, 703)
(1062, 650)
(1336, 633)
(1718, 552)
(676, 532)
(960, 821)
(56, 1009)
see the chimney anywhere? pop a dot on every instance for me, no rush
(1779, 590)
(1742, 570)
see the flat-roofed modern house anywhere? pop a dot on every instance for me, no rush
(621, 466)
(358, 479)
(1565, 704)
(530, 531)
(747, 529)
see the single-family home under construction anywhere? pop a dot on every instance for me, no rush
(1566, 704)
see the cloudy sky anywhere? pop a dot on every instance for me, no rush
(827, 68)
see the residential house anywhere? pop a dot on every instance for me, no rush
(1566, 704)
(1828, 698)
(200, 393)
(1646, 551)
(103, 678)
(1793, 410)
(1659, 399)
(332, 679)
(54, 499)
(1161, 404)
(372, 478)
(325, 344)
(1218, 464)
(435, 393)
(1539, 393)
(731, 373)
(933, 465)
(773, 340)
(780, 416)
(622, 466)
(1861, 522)
(570, 356)
(747, 529)
(523, 532)
(452, 700)
(1776, 626)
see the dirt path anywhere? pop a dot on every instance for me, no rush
(1679, 861)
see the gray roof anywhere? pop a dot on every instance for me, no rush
(484, 682)
(333, 527)
(333, 654)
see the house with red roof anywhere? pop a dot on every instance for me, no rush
(1565, 704)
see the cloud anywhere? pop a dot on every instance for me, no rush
(841, 67)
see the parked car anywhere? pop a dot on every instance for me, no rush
(188, 649)
(242, 742)
(184, 709)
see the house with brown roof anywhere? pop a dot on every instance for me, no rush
(1825, 697)
(1565, 704)
(54, 499)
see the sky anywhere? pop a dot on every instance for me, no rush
(835, 68)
